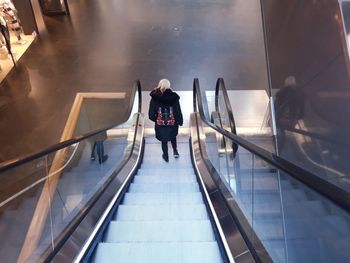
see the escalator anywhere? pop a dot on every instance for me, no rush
(224, 200)
(289, 214)
(162, 217)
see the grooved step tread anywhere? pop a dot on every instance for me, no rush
(162, 198)
(164, 179)
(165, 172)
(169, 252)
(163, 188)
(160, 231)
(161, 212)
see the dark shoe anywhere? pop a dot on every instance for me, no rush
(92, 158)
(165, 157)
(104, 158)
(176, 154)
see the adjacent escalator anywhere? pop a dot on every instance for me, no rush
(286, 213)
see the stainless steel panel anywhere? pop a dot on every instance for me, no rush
(233, 236)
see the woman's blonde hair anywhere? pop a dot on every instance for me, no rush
(163, 85)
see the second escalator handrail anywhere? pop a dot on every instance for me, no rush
(220, 85)
(332, 192)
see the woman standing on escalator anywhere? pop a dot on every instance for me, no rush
(165, 111)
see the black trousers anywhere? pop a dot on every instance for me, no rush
(165, 146)
(100, 150)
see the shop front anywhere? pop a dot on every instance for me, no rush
(20, 23)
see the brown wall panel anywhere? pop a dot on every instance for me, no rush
(305, 39)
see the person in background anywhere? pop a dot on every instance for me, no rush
(289, 107)
(98, 145)
(165, 111)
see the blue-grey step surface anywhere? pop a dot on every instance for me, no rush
(159, 231)
(173, 178)
(164, 188)
(161, 212)
(162, 217)
(169, 252)
(162, 198)
(165, 172)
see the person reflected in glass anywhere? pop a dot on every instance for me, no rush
(165, 112)
(99, 148)
(289, 106)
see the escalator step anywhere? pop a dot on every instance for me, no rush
(164, 165)
(171, 172)
(162, 198)
(170, 252)
(160, 212)
(163, 188)
(160, 231)
(139, 179)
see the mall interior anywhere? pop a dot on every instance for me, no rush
(261, 169)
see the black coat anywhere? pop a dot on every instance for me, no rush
(168, 98)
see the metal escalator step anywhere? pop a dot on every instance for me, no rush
(159, 231)
(175, 171)
(164, 165)
(170, 252)
(163, 188)
(138, 179)
(162, 198)
(161, 212)
(182, 160)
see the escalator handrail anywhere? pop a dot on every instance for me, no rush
(331, 191)
(220, 85)
(4, 166)
(48, 255)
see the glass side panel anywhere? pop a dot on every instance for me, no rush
(223, 113)
(92, 164)
(54, 189)
(18, 196)
(327, 159)
(291, 221)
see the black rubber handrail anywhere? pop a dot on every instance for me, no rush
(220, 85)
(25, 159)
(328, 190)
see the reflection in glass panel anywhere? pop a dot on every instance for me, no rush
(93, 162)
(293, 222)
(58, 188)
